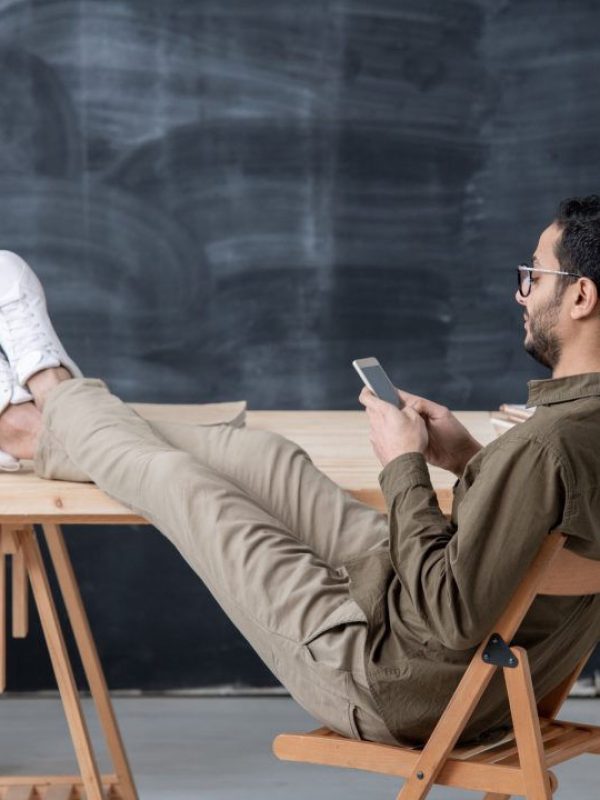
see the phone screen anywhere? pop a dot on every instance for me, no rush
(381, 385)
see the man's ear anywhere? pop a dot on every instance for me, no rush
(586, 299)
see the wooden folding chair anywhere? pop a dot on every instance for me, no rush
(519, 763)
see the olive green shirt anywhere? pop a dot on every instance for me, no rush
(434, 594)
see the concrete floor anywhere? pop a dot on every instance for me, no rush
(220, 748)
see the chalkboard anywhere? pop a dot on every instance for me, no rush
(233, 200)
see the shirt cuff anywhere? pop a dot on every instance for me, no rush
(403, 472)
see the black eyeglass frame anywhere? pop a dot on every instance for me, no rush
(525, 270)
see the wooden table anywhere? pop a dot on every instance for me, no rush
(338, 444)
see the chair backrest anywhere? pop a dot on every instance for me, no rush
(553, 571)
(570, 574)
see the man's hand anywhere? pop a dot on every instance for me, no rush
(450, 445)
(393, 431)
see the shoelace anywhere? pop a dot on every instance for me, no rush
(25, 329)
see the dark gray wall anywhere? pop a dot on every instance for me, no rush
(234, 199)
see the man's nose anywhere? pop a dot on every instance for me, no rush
(522, 301)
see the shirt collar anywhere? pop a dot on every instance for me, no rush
(560, 390)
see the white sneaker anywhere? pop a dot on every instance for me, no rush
(26, 333)
(8, 392)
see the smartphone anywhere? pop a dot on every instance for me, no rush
(375, 378)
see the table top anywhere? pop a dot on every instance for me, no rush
(337, 441)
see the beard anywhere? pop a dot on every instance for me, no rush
(542, 342)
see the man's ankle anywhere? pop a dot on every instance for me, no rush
(42, 383)
(20, 430)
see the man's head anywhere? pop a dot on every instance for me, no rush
(562, 311)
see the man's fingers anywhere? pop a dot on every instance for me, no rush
(368, 399)
(374, 403)
(426, 408)
(407, 396)
(414, 401)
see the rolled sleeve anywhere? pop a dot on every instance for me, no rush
(404, 472)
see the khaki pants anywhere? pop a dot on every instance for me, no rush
(266, 531)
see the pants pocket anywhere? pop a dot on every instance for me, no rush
(339, 640)
(366, 724)
(353, 724)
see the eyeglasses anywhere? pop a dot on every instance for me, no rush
(524, 279)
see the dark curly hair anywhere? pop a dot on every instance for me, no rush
(578, 248)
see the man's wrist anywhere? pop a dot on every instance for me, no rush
(396, 453)
(473, 448)
(406, 470)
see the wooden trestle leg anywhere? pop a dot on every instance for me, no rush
(2, 616)
(22, 544)
(89, 657)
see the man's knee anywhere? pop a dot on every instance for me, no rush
(284, 445)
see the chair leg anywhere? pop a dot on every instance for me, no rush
(526, 725)
(495, 796)
(419, 793)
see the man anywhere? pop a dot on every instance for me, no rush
(368, 623)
